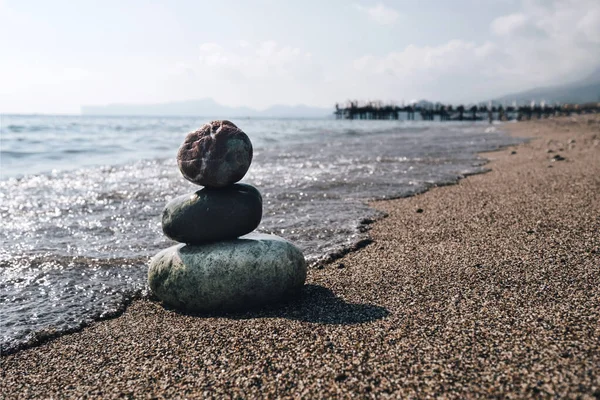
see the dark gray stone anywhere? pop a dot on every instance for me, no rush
(213, 214)
(238, 274)
(216, 155)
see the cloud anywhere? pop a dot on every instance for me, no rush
(454, 71)
(425, 60)
(589, 26)
(249, 73)
(556, 40)
(545, 42)
(379, 13)
(254, 61)
(508, 24)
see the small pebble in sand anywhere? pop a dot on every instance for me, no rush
(558, 157)
(419, 210)
(512, 153)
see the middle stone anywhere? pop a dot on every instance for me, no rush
(213, 214)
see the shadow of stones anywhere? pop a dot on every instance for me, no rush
(314, 304)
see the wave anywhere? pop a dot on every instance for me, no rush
(26, 128)
(18, 154)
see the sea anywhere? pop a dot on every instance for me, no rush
(81, 199)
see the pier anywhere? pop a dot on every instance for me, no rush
(376, 110)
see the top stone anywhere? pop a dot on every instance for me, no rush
(216, 155)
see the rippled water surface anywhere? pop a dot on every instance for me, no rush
(81, 198)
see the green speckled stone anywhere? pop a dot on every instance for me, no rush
(239, 274)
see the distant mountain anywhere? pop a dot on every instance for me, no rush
(206, 108)
(582, 91)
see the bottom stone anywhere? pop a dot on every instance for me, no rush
(237, 274)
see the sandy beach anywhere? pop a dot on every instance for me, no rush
(487, 288)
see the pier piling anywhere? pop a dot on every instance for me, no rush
(430, 112)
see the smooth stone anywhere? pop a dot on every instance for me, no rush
(216, 155)
(238, 274)
(212, 214)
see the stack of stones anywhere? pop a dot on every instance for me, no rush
(220, 265)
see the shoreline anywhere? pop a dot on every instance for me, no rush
(349, 232)
(392, 317)
(364, 224)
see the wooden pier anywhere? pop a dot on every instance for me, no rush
(443, 112)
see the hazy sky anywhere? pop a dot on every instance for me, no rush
(58, 55)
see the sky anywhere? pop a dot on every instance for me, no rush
(56, 56)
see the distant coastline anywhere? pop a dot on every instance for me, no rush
(579, 92)
(206, 107)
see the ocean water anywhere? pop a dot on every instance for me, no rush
(81, 198)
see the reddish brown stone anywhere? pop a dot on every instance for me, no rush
(216, 155)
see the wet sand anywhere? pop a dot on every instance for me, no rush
(486, 288)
